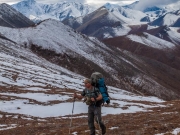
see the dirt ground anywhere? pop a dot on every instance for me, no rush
(156, 120)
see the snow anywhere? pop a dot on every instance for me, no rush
(56, 110)
(6, 127)
(36, 76)
(152, 41)
(121, 97)
(151, 27)
(174, 35)
(174, 132)
(173, 7)
(118, 31)
(28, 72)
(112, 128)
(58, 11)
(127, 14)
(59, 38)
(170, 19)
(34, 73)
(41, 97)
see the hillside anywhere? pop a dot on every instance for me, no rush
(37, 99)
(65, 47)
(41, 113)
(42, 65)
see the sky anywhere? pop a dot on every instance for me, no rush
(148, 3)
(81, 1)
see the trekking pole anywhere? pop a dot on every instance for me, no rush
(71, 116)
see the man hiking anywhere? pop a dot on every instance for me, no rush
(94, 100)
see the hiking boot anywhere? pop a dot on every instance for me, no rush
(103, 130)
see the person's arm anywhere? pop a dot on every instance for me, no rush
(78, 96)
(97, 98)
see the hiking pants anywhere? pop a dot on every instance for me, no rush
(94, 113)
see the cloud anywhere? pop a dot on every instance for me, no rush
(81, 1)
(58, 1)
(149, 3)
(42, 1)
(9, 1)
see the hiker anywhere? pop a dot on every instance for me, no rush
(94, 100)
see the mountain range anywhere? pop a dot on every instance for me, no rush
(42, 65)
(155, 15)
(122, 56)
(60, 11)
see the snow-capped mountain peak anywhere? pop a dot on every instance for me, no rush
(58, 11)
(126, 12)
(110, 6)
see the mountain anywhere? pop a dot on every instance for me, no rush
(161, 55)
(60, 11)
(97, 23)
(44, 64)
(169, 19)
(133, 15)
(158, 14)
(9, 17)
(132, 5)
(69, 49)
(170, 34)
(37, 83)
(106, 22)
(154, 6)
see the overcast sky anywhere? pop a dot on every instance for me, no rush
(142, 3)
(81, 1)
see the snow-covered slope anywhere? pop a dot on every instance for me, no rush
(62, 45)
(174, 35)
(154, 11)
(152, 41)
(155, 6)
(131, 16)
(52, 35)
(35, 78)
(22, 69)
(100, 24)
(110, 20)
(168, 19)
(59, 11)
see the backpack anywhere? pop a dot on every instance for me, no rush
(97, 80)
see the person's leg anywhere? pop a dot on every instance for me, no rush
(99, 119)
(91, 120)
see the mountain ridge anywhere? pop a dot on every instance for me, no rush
(9, 17)
(119, 68)
(60, 11)
(44, 64)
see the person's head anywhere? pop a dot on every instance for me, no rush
(87, 83)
